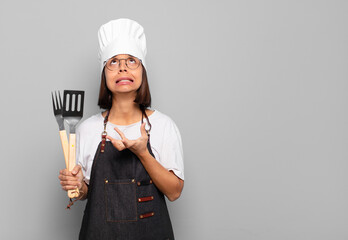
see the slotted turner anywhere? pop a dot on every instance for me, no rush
(58, 109)
(72, 113)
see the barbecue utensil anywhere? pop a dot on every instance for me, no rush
(58, 109)
(72, 114)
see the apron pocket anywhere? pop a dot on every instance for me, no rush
(120, 199)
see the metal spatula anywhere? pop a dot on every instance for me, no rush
(72, 113)
(58, 109)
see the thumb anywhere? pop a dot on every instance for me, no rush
(76, 169)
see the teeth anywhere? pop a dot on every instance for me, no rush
(125, 80)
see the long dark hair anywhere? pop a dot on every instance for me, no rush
(143, 97)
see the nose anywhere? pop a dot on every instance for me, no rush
(122, 66)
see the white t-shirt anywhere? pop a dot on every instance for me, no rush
(165, 140)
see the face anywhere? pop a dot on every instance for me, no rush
(123, 79)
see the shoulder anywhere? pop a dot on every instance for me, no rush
(163, 123)
(160, 117)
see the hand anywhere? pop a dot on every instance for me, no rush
(138, 146)
(71, 180)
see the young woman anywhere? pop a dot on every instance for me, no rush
(129, 156)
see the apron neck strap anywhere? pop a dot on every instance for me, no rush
(106, 119)
(104, 132)
(142, 121)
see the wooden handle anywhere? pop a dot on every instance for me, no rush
(65, 146)
(72, 162)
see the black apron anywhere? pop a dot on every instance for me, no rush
(123, 203)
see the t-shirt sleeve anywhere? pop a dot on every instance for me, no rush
(172, 152)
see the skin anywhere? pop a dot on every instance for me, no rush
(124, 112)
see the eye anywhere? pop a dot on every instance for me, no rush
(132, 60)
(113, 61)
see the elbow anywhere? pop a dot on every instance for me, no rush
(174, 196)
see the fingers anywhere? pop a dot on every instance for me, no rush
(120, 133)
(133, 145)
(70, 185)
(66, 177)
(64, 172)
(117, 143)
(128, 143)
(124, 141)
(68, 181)
(110, 138)
(76, 170)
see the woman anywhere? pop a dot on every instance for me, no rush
(122, 175)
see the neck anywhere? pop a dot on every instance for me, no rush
(124, 110)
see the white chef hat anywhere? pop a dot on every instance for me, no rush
(121, 36)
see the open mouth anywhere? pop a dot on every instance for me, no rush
(120, 80)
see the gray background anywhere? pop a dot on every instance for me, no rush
(258, 90)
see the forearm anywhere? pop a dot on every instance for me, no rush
(166, 181)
